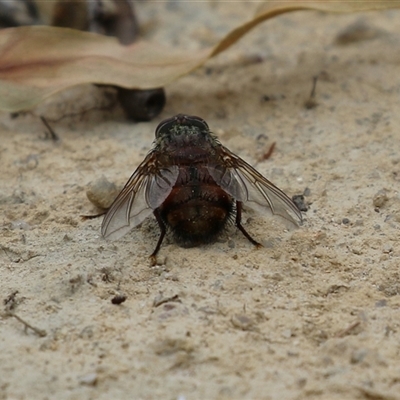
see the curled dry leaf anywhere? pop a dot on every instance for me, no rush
(38, 61)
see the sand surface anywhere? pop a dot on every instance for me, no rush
(312, 315)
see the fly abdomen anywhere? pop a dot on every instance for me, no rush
(196, 214)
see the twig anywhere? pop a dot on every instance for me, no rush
(53, 135)
(269, 152)
(39, 332)
(159, 300)
(311, 102)
(348, 330)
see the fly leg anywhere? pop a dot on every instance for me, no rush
(160, 239)
(239, 224)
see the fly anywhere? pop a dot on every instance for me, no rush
(194, 186)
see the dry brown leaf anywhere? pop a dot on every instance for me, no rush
(38, 61)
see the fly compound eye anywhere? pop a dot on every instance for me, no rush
(198, 122)
(165, 126)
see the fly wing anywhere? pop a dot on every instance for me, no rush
(145, 191)
(240, 180)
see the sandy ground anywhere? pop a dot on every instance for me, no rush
(312, 315)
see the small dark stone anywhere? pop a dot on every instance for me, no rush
(358, 32)
(298, 199)
(118, 299)
(141, 105)
(381, 303)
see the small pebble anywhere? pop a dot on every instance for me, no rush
(381, 303)
(287, 333)
(380, 198)
(242, 322)
(101, 192)
(20, 225)
(89, 379)
(387, 248)
(357, 32)
(358, 355)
